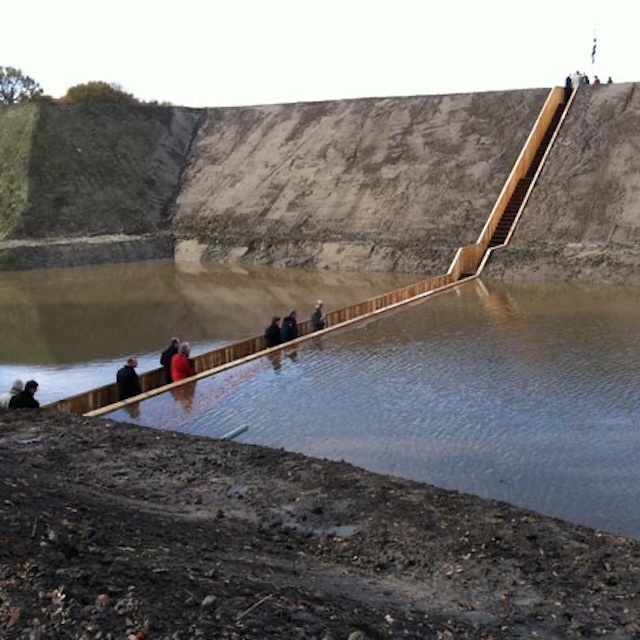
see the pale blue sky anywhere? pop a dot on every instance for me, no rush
(214, 53)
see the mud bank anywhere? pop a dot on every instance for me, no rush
(114, 531)
(77, 252)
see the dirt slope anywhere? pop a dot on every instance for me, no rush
(375, 184)
(114, 531)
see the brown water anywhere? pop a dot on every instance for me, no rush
(523, 393)
(71, 329)
(519, 392)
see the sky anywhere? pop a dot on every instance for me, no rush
(201, 53)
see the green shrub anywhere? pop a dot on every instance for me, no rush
(9, 260)
(97, 92)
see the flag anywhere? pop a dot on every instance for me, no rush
(593, 51)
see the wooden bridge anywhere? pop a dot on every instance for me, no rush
(467, 263)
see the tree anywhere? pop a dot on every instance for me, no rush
(16, 87)
(97, 92)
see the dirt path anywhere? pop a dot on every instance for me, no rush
(113, 531)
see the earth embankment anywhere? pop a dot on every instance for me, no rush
(380, 184)
(374, 184)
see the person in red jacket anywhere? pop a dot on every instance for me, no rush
(181, 365)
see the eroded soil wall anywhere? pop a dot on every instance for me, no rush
(374, 184)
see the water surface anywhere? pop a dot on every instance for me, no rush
(523, 393)
(519, 392)
(71, 329)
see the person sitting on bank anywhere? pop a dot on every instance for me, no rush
(166, 357)
(290, 327)
(317, 318)
(16, 388)
(25, 399)
(181, 364)
(272, 334)
(127, 380)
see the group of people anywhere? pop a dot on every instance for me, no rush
(276, 333)
(178, 365)
(574, 80)
(175, 361)
(20, 396)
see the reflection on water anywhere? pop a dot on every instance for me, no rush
(71, 329)
(524, 393)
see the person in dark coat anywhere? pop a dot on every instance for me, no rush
(317, 318)
(568, 88)
(25, 399)
(290, 327)
(127, 380)
(165, 358)
(272, 334)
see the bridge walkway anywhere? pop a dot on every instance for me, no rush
(467, 264)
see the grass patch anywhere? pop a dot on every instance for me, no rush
(88, 170)
(9, 260)
(17, 126)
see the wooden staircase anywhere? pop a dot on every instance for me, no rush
(520, 192)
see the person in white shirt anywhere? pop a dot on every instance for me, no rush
(16, 388)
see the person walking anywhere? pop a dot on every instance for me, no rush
(127, 380)
(16, 388)
(317, 318)
(290, 327)
(273, 334)
(181, 364)
(25, 399)
(166, 357)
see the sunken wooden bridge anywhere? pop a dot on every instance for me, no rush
(467, 264)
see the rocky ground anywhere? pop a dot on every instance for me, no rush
(110, 531)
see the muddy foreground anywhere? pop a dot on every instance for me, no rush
(110, 531)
